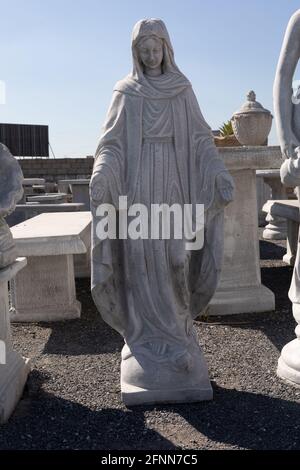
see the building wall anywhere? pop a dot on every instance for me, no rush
(56, 169)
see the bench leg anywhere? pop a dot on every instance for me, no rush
(292, 242)
(45, 290)
(275, 229)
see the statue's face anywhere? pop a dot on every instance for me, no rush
(151, 52)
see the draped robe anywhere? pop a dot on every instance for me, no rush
(156, 148)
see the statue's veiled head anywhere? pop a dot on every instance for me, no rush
(151, 47)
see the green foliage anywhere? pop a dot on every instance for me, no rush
(226, 129)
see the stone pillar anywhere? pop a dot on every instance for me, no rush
(14, 368)
(240, 289)
(277, 227)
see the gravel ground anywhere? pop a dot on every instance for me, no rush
(72, 399)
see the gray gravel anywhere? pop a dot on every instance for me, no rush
(72, 400)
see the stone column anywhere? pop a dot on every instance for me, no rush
(277, 227)
(14, 368)
(240, 289)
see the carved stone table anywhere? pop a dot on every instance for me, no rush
(240, 289)
(45, 289)
(14, 368)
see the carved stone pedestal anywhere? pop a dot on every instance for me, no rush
(149, 377)
(240, 289)
(14, 368)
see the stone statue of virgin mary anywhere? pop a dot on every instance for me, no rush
(156, 148)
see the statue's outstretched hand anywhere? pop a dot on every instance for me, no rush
(288, 146)
(225, 187)
(98, 188)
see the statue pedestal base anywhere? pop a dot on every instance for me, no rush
(289, 363)
(170, 376)
(134, 396)
(14, 369)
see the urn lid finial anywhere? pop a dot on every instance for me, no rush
(251, 96)
(251, 105)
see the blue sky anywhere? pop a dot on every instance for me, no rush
(61, 58)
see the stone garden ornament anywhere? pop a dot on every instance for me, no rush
(252, 123)
(11, 191)
(155, 149)
(287, 114)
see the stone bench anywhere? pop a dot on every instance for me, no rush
(33, 181)
(287, 209)
(31, 209)
(45, 289)
(28, 186)
(49, 198)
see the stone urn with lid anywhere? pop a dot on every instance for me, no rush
(252, 124)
